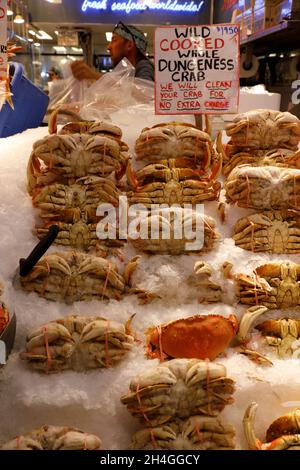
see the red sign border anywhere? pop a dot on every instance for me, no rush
(217, 113)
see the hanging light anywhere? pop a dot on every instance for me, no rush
(54, 1)
(9, 9)
(19, 19)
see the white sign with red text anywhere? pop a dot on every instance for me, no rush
(197, 69)
(3, 40)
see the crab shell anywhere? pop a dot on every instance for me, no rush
(265, 129)
(268, 187)
(174, 140)
(54, 438)
(283, 434)
(269, 231)
(193, 433)
(91, 127)
(165, 239)
(179, 388)
(200, 337)
(284, 425)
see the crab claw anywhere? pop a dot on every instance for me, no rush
(202, 268)
(54, 331)
(128, 330)
(253, 442)
(130, 268)
(52, 125)
(255, 356)
(216, 167)
(131, 176)
(248, 320)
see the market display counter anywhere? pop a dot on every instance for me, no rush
(91, 400)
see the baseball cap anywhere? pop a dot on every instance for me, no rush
(132, 33)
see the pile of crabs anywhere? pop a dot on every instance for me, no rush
(71, 173)
(178, 401)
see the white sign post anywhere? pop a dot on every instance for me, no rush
(197, 69)
(3, 40)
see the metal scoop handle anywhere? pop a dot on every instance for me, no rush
(27, 264)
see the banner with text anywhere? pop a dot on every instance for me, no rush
(3, 40)
(197, 69)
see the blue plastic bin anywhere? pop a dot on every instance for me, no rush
(29, 101)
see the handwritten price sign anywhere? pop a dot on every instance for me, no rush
(197, 69)
(3, 40)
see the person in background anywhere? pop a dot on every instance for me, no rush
(54, 74)
(56, 84)
(127, 42)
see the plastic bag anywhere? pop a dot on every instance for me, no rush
(86, 99)
(113, 91)
(67, 94)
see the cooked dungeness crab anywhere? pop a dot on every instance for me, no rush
(177, 231)
(170, 182)
(70, 276)
(80, 235)
(76, 201)
(194, 433)
(274, 285)
(65, 158)
(83, 237)
(78, 343)
(282, 434)
(281, 334)
(263, 129)
(200, 337)
(208, 290)
(269, 231)
(175, 140)
(267, 187)
(280, 157)
(79, 126)
(178, 389)
(54, 438)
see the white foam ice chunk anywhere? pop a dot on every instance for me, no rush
(256, 90)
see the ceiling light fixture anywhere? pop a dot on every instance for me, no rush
(19, 19)
(43, 35)
(108, 36)
(60, 49)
